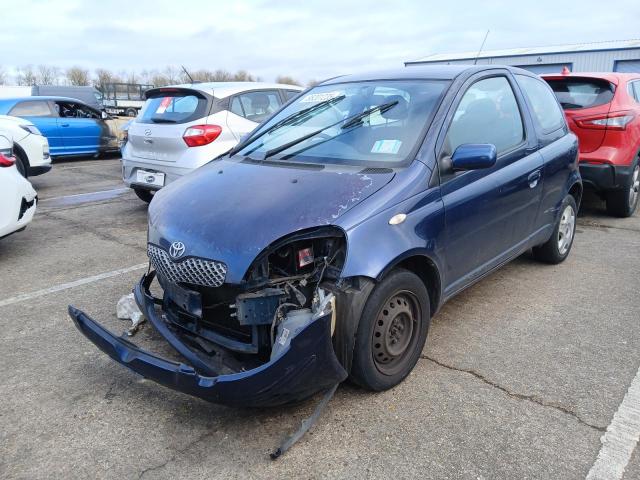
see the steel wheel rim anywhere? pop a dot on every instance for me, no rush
(635, 187)
(566, 229)
(395, 332)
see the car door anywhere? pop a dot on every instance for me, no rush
(42, 114)
(556, 147)
(489, 213)
(247, 110)
(80, 127)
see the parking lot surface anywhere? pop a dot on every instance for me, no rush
(520, 377)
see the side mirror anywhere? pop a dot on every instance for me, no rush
(474, 156)
(105, 115)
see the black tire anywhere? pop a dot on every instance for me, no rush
(392, 331)
(144, 195)
(624, 202)
(131, 112)
(22, 165)
(555, 250)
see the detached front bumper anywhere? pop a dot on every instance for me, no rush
(308, 366)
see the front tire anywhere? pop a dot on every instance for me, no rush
(22, 165)
(624, 202)
(557, 248)
(144, 195)
(392, 331)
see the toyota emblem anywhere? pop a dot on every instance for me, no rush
(147, 133)
(176, 250)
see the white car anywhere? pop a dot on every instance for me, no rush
(30, 147)
(182, 127)
(17, 196)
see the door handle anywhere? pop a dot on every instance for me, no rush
(534, 178)
(64, 125)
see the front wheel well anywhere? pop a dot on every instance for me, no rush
(424, 268)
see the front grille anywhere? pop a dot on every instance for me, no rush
(196, 271)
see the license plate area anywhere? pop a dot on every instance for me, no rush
(155, 179)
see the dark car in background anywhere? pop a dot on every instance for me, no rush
(71, 126)
(603, 110)
(321, 246)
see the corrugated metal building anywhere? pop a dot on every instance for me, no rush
(612, 56)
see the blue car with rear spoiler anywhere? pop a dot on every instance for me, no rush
(319, 248)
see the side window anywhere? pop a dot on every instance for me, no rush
(635, 86)
(289, 94)
(546, 110)
(31, 109)
(236, 107)
(487, 113)
(258, 106)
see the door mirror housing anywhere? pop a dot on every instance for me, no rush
(105, 115)
(474, 156)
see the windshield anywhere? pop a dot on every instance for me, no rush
(362, 123)
(577, 93)
(176, 108)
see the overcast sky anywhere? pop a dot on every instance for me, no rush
(304, 39)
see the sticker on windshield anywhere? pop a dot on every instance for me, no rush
(320, 97)
(166, 101)
(386, 146)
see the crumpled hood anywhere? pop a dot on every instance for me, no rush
(230, 210)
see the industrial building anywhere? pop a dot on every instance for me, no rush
(611, 56)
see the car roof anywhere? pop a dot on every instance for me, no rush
(34, 98)
(224, 89)
(426, 72)
(613, 77)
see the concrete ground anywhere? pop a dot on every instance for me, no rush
(520, 376)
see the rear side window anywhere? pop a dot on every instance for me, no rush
(634, 90)
(576, 93)
(289, 94)
(31, 109)
(180, 108)
(546, 110)
(256, 106)
(487, 113)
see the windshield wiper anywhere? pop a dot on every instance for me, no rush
(292, 119)
(350, 122)
(162, 120)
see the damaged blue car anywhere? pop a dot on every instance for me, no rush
(320, 247)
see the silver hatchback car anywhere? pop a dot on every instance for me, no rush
(182, 127)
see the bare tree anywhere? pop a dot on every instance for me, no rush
(102, 78)
(243, 76)
(48, 75)
(222, 76)
(287, 80)
(172, 75)
(160, 80)
(26, 75)
(78, 76)
(3, 76)
(312, 83)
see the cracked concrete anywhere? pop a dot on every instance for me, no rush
(521, 371)
(532, 398)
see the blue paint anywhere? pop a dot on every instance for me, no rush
(465, 223)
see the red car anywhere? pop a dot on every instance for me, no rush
(603, 110)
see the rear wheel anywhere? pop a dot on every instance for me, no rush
(624, 202)
(392, 331)
(144, 195)
(131, 112)
(557, 248)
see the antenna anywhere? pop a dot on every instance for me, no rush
(479, 51)
(187, 73)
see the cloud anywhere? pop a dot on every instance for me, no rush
(307, 40)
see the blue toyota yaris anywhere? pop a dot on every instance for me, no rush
(320, 247)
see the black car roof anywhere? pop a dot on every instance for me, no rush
(431, 72)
